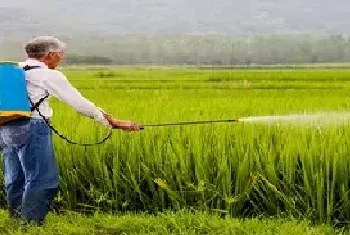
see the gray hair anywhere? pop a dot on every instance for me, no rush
(40, 46)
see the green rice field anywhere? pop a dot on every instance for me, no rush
(243, 170)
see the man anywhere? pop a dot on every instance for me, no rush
(31, 172)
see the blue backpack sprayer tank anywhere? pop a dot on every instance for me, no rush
(14, 101)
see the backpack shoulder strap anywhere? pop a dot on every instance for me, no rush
(27, 67)
(35, 106)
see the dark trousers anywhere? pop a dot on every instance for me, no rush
(31, 172)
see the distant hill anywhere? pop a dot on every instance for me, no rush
(239, 17)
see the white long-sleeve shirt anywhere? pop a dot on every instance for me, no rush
(43, 81)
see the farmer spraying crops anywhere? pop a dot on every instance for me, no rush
(31, 172)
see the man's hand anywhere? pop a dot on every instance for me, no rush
(123, 125)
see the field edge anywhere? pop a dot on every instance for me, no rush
(183, 222)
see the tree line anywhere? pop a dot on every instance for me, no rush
(198, 49)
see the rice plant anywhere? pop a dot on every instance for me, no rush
(238, 169)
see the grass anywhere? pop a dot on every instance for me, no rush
(181, 223)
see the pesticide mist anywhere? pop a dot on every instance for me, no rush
(320, 119)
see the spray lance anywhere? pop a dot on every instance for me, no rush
(142, 127)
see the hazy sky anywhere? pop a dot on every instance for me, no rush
(173, 17)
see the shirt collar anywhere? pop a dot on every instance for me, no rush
(34, 62)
